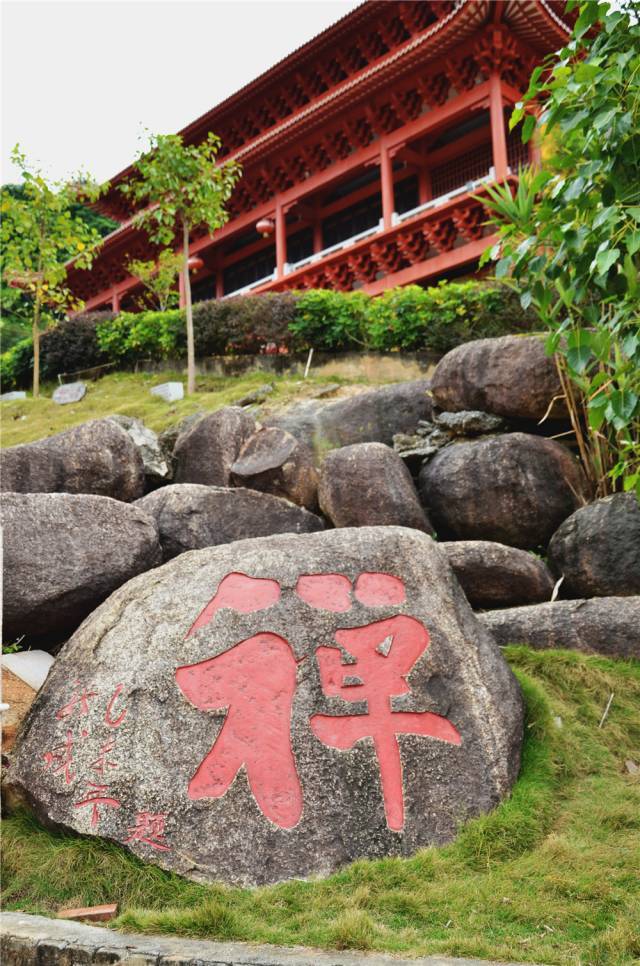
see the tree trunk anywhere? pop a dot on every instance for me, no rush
(191, 358)
(36, 348)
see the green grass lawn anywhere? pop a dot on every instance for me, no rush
(128, 393)
(551, 876)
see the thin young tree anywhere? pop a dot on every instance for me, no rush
(41, 231)
(183, 187)
(158, 278)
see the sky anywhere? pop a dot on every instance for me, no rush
(82, 79)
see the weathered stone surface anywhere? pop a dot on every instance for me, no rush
(191, 516)
(469, 422)
(368, 485)
(205, 451)
(71, 392)
(514, 489)
(13, 395)
(63, 554)
(493, 575)
(602, 625)
(247, 744)
(370, 417)
(157, 468)
(509, 376)
(597, 549)
(256, 396)
(169, 391)
(96, 457)
(274, 461)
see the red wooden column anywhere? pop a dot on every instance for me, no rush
(219, 283)
(115, 300)
(182, 299)
(498, 133)
(281, 240)
(386, 179)
(424, 186)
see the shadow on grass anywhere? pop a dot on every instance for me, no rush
(550, 876)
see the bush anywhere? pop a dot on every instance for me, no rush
(72, 345)
(332, 321)
(133, 336)
(16, 366)
(249, 324)
(444, 316)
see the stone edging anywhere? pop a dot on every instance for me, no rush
(36, 940)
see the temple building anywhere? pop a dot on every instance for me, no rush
(363, 154)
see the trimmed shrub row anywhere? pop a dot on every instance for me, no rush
(410, 319)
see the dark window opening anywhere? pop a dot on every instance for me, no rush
(204, 289)
(406, 194)
(300, 245)
(249, 269)
(452, 134)
(351, 221)
(353, 184)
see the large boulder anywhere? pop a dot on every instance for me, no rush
(63, 554)
(603, 625)
(368, 485)
(374, 416)
(96, 457)
(191, 516)
(207, 448)
(493, 575)
(275, 708)
(597, 549)
(511, 376)
(514, 489)
(274, 461)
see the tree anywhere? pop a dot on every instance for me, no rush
(39, 231)
(158, 278)
(569, 236)
(184, 187)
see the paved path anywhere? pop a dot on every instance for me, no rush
(38, 941)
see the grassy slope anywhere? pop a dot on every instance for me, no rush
(128, 393)
(550, 876)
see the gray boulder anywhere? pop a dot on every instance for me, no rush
(191, 516)
(493, 575)
(368, 485)
(96, 457)
(469, 423)
(63, 554)
(206, 450)
(514, 489)
(603, 625)
(274, 461)
(157, 468)
(373, 416)
(276, 708)
(597, 549)
(510, 376)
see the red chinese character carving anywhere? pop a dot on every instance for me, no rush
(325, 591)
(62, 757)
(241, 593)
(97, 799)
(149, 828)
(102, 762)
(115, 722)
(377, 590)
(255, 682)
(79, 699)
(384, 652)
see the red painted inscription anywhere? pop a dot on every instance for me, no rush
(149, 829)
(255, 682)
(241, 593)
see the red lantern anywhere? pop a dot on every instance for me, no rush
(195, 263)
(265, 227)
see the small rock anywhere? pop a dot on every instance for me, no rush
(514, 489)
(14, 394)
(274, 461)
(206, 450)
(64, 553)
(510, 376)
(191, 516)
(603, 625)
(368, 485)
(156, 467)
(494, 575)
(169, 391)
(631, 767)
(71, 392)
(597, 549)
(96, 457)
(256, 396)
(323, 391)
(469, 423)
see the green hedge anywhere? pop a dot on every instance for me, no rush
(409, 319)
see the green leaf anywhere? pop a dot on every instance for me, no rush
(528, 127)
(606, 259)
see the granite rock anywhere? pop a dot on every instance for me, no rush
(494, 575)
(157, 468)
(205, 450)
(191, 516)
(514, 489)
(96, 457)
(275, 708)
(274, 461)
(367, 484)
(63, 554)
